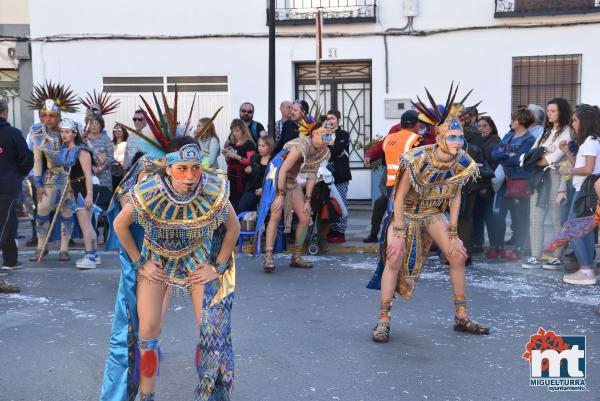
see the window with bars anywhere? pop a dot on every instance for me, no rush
(300, 12)
(523, 8)
(538, 79)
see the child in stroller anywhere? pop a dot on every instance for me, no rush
(327, 208)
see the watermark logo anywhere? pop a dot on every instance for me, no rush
(556, 362)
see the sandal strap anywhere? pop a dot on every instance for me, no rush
(471, 326)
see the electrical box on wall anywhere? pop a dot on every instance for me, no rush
(394, 108)
(410, 8)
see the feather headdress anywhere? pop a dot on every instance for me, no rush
(163, 124)
(52, 98)
(447, 117)
(308, 124)
(98, 104)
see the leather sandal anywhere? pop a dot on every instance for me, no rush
(470, 326)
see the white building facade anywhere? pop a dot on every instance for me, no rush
(378, 54)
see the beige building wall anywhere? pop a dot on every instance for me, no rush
(14, 12)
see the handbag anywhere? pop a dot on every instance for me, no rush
(517, 188)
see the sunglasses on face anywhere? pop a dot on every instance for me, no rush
(137, 119)
(246, 111)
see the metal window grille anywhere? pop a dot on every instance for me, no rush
(522, 8)
(538, 79)
(292, 12)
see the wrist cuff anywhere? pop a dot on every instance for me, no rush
(38, 182)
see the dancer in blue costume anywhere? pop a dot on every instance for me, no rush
(49, 176)
(76, 159)
(282, 193)
(179, 230)
(428, 184)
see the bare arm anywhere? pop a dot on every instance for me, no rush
(588, 168)
(86, 165)
(288, 163)
(37, 162)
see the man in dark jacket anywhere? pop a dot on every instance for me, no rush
(16, 160)
(291, 128)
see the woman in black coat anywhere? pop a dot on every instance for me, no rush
(340, 160)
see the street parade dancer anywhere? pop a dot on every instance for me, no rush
(428, 183)
(177, 231)
(76, 159)
(49, 176)
(282, 193)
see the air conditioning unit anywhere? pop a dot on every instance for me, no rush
(410, 8)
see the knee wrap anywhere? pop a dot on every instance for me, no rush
(149, 362)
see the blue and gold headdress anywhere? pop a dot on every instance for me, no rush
(447, 117)
(188, 153)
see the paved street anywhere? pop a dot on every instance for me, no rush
(304, 335)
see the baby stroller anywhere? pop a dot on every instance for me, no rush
(327, 208)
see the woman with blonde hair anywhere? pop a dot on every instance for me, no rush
(237, 155)
(209, 142)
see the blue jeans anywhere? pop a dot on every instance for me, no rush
(519, 216)
(584, 246)
(483, 217)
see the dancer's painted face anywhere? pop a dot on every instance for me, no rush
(185, 175)
(451, 142)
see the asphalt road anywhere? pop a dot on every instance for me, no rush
(304, 334)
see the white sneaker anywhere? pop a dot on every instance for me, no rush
(580, 278)
(532, 263)
(553, 264)
(98, 261)
(15, 267)
(86, 263)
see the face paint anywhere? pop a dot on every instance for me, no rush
(326, 138)
(186, 174)
(455, 139)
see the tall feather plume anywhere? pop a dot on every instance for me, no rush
(63, 96)
(174, 130)
(434, 105)
(161, 117)
(211, 120)
(189, 119)
(101, 100)
(466, 96)
(434, 118)
(142, 135)
(469, 109)
(449, 103)
(154, 124)
(167, 113)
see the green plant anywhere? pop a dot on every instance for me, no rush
(365, 146)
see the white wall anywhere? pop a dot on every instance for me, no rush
(479, 59)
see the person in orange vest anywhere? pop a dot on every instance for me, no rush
(400, 142)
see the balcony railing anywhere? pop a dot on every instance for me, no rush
(303, 12)
(524, 8)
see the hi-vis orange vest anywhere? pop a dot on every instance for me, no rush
(394, 146)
